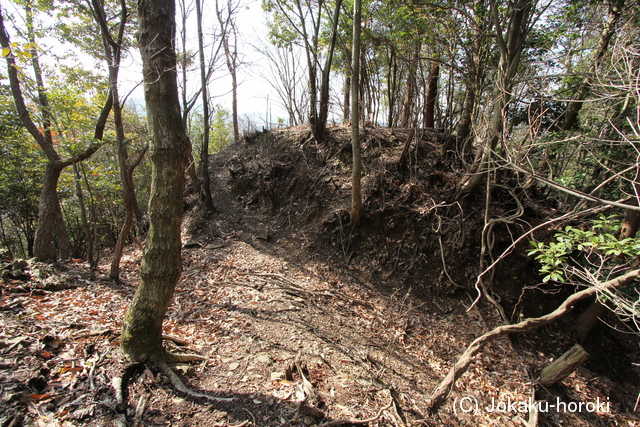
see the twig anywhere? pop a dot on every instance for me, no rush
(116, 383)
(358, 422)
(142, 406)
(252, 417)
(444, 265)
(93, 368)
(182, 358)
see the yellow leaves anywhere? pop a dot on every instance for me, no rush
(24, 51)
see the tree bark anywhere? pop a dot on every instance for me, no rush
(410, 94)
(392, 79)
(228, 30)
(346, 114)
(113, 53)
(160, 269)
(83, 215)
(356, 192)
(432, 96)
(321, 124)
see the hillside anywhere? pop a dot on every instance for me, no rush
(276, 283)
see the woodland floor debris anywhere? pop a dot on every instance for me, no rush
(316, 321)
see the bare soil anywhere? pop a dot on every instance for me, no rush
(303, 319)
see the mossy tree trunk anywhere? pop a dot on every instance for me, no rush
(161, 264)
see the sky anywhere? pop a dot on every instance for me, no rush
(256, 99)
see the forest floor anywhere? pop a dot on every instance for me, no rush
(288, 304)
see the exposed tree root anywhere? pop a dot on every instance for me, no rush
(179, 385)
(442, 392)
(183, 358)
(352, 421)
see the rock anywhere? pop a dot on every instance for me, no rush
(277, 376)
(186, 370)
(264, 358)
(233, 366)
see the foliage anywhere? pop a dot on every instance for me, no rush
(21, 169)
(596, 250)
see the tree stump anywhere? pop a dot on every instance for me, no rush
(563, 366)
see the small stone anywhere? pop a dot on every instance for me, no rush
(264, 358)
(277, 376)
(233, 366)
(186, 370)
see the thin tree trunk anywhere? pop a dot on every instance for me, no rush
(356, 192)
(83, 215)
(510, 46)
(431, 96)
(326, 71)
(346, 115)
(392, 78)
(410, 94)
(160, 268)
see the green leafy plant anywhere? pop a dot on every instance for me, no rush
(596, 250)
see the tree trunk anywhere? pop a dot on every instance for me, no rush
(410, 94)
(49, 211)
(346, 114)
(392, 78)
(83, 215)
(510, 47)
(356, 192)
(432, 96)
(326, 71)
(161, 263)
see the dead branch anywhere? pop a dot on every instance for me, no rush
(442, 392)
(141, 407)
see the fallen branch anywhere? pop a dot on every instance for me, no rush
(442, 392)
